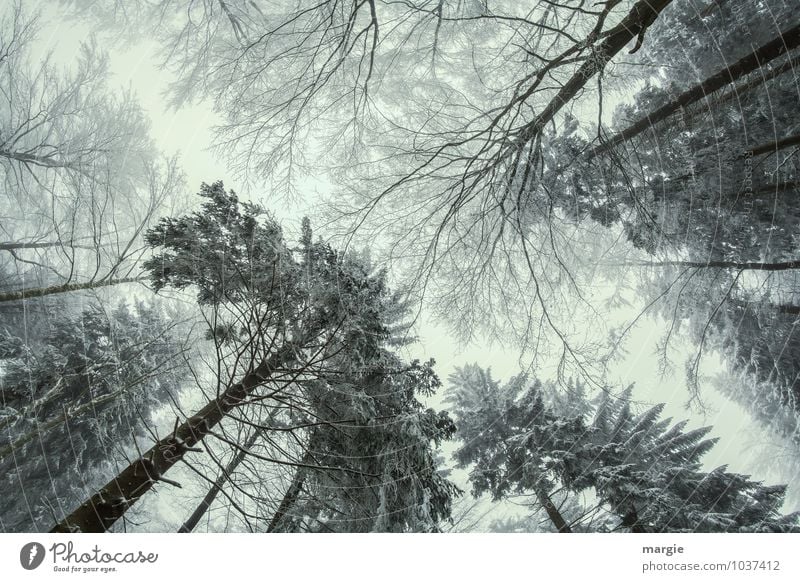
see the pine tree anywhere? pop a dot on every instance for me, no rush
(300, 333)
(373, 425)
(640, 469)
(74, 394)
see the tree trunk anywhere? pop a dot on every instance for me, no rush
(773, 188)
(70, 244)
(756, 306)
(28, 159)
(787, 308)
(43, 291)
(14, 246)
(552, 511)
(105, 507)
(289, 498)
(774, 146)
(640, 17)
(786, 41)
(296, 487)
(782, 266)
(201, 509)
(757, 81)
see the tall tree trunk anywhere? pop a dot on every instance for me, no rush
(787, 308)
(757, 80)
(43, 161)
(773, 188)
(104, 508)
(775, 146)
(226, 473)
(782, 266)
(54, 290)
(637, 21)
(296, 487)
(289, 498)
(756, 306)
(552, 511)
(785, 42)
(70, 244)
(18, 246)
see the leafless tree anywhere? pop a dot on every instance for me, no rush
(446, 172)
(81, 177)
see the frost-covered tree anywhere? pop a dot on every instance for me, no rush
(644, 472)
(320, 89)
(81, 177)
(300, 338)
(398, 486)
(698, 167)
(76, 390)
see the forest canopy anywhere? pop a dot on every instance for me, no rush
(595, 199)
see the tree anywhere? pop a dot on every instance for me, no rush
(699, 169)
(82, 178)
(282, 320)
(391, 434)
(310, 88)
(642, 471)
(776, 48)
(75, 390)
(481, 161)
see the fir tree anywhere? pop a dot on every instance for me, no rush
(301, 337)
(640, 469)
(74, 395)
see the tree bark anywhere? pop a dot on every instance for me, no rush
(787, 308)
(14, 246)
(552, 511)
(43, 291)
(756, 306)
(785, 42)
(42, 161)
(70, 244)
(757, 81)
(296, 487)
(201, 509)
(110, 503)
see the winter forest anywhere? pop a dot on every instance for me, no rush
(400, 266)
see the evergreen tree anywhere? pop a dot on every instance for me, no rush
(389, 441)
(301, 337)
(75, 392)
(638, 468)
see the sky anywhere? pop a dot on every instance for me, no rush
(742, 445)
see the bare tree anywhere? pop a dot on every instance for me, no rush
(81, 177)
(443, 174)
